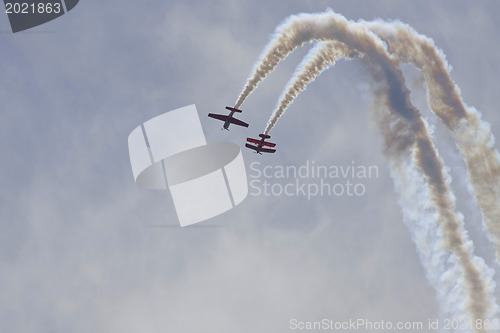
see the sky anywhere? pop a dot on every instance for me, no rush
(83, 249)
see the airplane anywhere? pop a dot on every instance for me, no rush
(228, 120)
(259, 149)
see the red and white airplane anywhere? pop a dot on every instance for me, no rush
(228, 120)
(259, 149)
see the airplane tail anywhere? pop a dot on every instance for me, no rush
(233, 109)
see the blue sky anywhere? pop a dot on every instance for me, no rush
(77, 250)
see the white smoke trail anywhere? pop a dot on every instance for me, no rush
(419, 215)
(330, 26)
(287, 37)
(448, 267)
(440, 266)
(285, 40)
(319, 58)
(472, 135)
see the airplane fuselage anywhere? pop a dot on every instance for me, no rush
(259, 147)
(228, 120)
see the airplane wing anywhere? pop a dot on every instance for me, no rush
(218, 116)
(251, 147)
(238, 122)
(253, 141)
(263, 150)
(269, 144)
(233, 109)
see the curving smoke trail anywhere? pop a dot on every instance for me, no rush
(472, 135)
(411, 136)
(428, 209)
(286, 39)
(441, 268)
(319, 58)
